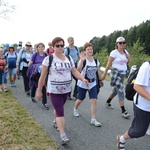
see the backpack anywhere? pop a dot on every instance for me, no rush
(97, 78)
(68, 50)
(129, 90)
(50, 62)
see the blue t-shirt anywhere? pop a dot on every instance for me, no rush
(74, 53)
(11, 59)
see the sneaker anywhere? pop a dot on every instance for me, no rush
(5, 90)
(28, 93)
(69, 98)
(148, 131)
(64, 140)
(125, 115)
(1, 90)
(33, 100)
(13, 84)
(75, 95)
(108, 105)
(55, 125)
(75, 113)
(45, 106)
(96, 123)
(120, 146)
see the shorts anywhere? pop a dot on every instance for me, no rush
(82, 93)
(140, 123)
(12, 71)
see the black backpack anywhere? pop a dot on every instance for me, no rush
(129, 90)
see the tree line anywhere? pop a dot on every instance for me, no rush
(140, 33)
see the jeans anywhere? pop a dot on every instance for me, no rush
(3, 77)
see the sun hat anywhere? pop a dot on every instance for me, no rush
(28, 43)
(120, 39)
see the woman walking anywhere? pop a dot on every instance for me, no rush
(23, 59)
(118, 59)
(89, 68)
(59, 82)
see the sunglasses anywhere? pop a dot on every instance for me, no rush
(59, 46)
(122, 43)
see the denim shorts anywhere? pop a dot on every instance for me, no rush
(11, 71)
(82, 93)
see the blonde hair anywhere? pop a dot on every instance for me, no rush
(70, 38)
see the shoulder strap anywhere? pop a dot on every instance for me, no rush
(68, 50)
(34, 57)
(84, 63)
(50, 61)
(77, 49)
(68, 57)
(95, 61)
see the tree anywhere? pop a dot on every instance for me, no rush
(5, 9)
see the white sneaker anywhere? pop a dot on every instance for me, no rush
(75, 113)
(108, 105)
(96, 123)
(125, 115)
(148, 131)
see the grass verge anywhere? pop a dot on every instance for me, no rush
(18, 130)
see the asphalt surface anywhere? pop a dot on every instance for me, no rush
(83, 135)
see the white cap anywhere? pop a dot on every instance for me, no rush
(120, 39)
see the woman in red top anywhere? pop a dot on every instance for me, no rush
(3, 71)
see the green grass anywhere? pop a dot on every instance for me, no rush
(18, 130)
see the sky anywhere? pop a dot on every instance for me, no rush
(43, 20)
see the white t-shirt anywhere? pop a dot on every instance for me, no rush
(143, 78)
(59, 78)
(120, 60)
(89, 73)
(28, 58)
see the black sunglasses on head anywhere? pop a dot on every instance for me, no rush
(59, 46)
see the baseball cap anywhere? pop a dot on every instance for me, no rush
(120, 39)
(7, 45)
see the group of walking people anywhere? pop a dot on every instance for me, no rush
(67, 63)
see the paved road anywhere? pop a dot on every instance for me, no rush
(82, 135)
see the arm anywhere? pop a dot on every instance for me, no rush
(110, 60)
(142, 92)
(80, 65)
(41, 82)
(77, 74)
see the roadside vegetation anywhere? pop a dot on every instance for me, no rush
(18, 130)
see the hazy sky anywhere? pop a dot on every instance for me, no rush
(42, 20)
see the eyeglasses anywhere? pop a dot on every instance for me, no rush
(59, 46)
(122, 43)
